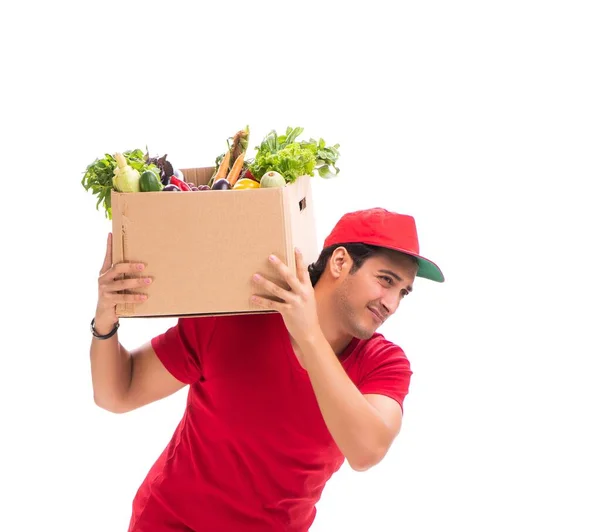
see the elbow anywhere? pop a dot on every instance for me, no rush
(114, 407)
(371, 454)
(360, 467)
(366, 461)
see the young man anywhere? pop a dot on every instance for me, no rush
(276, 401)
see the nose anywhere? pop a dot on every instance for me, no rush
(390, 304)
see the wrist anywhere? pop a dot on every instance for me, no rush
(104, 323)
(311, 343)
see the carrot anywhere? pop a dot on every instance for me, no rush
(236, 169)
(224, 166)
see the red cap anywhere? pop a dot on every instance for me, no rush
(380, 227)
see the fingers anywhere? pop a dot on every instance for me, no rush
(114, 291)
(122, 268)
(301, 269)
(117, 299)
(119, 283)
(127, 284)
(292, 281)
(272, 288)
(108, 256)
(266, 303)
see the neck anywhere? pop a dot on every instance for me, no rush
(329, 320)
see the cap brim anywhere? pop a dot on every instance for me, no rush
(428, 270)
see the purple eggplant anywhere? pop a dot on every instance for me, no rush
(221, 184)
(172, 188)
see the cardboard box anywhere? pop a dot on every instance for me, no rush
(201, 248)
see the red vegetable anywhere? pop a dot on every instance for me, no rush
(179, 183)
(248, 174)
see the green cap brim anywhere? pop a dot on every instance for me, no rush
(428, 270)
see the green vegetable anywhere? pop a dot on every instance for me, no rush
(272, 179)
(283, 154)
(126, 178)
(98, 176)
(150, 181)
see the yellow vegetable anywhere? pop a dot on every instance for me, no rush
(245, 184)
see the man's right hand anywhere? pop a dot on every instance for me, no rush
(109, 287)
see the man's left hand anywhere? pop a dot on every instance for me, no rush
(298, 305)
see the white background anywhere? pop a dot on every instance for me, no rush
(481, 119)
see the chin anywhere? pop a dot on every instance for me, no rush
(363, 332)
(364, 335)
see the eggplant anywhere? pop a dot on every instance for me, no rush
(221, 184)
(172, 188)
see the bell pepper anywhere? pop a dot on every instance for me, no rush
(181, 184)
(246, 184)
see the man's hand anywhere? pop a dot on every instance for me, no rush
(111, 287)
(297, 306)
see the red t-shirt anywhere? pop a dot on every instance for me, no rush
(252, 451)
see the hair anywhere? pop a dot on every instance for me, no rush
(358, 252)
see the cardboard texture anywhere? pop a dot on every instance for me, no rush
(201, 248)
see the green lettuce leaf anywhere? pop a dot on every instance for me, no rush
(292, 159)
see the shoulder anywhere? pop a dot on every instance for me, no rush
(379, 354)
(380, 348)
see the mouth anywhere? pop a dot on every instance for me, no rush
(376, 314)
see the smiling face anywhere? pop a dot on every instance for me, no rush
(365, 298)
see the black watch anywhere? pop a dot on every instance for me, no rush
(103, 336)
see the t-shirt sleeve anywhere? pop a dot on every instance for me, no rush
(387, 372)
(181, 348)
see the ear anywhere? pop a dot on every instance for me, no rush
(339, 263)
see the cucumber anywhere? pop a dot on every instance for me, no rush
(149, 182)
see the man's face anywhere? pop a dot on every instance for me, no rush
(367, 297)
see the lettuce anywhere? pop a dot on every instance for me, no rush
(292, 159)
(98, 176)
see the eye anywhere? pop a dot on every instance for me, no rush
(387, 279)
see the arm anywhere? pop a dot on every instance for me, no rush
(123, 381)
(363, 426)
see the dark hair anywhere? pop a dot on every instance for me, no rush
(358, 252)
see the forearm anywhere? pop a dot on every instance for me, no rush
(355, 425)
(110, 366)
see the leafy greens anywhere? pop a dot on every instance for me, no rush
(283, 154)
(99, 176)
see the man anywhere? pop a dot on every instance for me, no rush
(277, 401)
